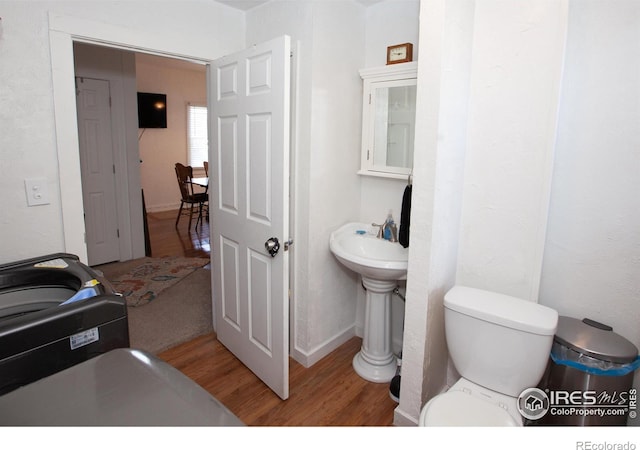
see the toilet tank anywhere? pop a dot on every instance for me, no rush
(498, 341)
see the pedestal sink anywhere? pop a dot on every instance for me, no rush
(381, 264)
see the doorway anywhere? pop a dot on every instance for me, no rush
(184, 84)
(62, 34)
(148, 329)
(148, 155)
(64, 31)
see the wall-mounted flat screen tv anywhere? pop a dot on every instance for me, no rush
(152, 110)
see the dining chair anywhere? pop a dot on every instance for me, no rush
(206, 167)
(184, 175)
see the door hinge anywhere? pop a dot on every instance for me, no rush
(118, 232)
(114, 168)
(367, 154)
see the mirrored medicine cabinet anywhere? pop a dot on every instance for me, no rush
(388, 120)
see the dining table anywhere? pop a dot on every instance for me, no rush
(201, 181)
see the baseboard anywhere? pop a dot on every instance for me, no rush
(402, 419)
(308, 359)
(163, 208)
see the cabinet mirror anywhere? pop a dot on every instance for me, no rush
(388, 120)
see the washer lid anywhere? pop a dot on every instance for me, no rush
(595, 339)
(511, 312)
(459, 409)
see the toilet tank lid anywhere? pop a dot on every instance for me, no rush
(503, 310)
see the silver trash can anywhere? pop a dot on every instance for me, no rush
(589, 378)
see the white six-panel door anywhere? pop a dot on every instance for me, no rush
(249, 204)
(97, 168)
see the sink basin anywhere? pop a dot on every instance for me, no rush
(367, 255)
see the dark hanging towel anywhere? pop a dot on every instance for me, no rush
(404, 217)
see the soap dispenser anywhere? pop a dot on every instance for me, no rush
(390, 229)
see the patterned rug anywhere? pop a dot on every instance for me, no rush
(145, 282)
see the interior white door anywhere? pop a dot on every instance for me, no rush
(249, 204)
(97, 170)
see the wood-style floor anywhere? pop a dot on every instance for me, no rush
(329, 393)
(169, 240)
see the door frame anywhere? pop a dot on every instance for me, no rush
(63, 32)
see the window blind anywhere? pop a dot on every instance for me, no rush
(197, 135)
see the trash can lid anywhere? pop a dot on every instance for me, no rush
(595, 340)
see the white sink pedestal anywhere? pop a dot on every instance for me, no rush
(380, 263)
(375, 361)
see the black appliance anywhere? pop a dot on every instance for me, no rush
(55, 312)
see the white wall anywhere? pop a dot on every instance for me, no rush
(443, 91)
(590, 266)
(591, 263)
(488, 90)
(33, 142)
(27, 141)
(334, 192)
(516, 70)
(162, 148)
(388, 23)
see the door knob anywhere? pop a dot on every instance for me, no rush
(272, 246)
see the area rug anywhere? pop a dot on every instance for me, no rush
(146, 281)
(181, 313)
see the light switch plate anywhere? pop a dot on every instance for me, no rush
(37, 192)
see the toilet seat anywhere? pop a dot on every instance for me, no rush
(457, 408)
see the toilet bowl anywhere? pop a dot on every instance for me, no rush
(500, 346)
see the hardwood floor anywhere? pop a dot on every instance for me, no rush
(329, 393)
(169, 240)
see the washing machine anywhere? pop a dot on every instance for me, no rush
(123, 387)
(55, 312)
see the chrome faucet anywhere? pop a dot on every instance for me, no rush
(382, 230)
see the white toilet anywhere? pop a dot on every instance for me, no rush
(500, 345)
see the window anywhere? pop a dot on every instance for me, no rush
(197, 139)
